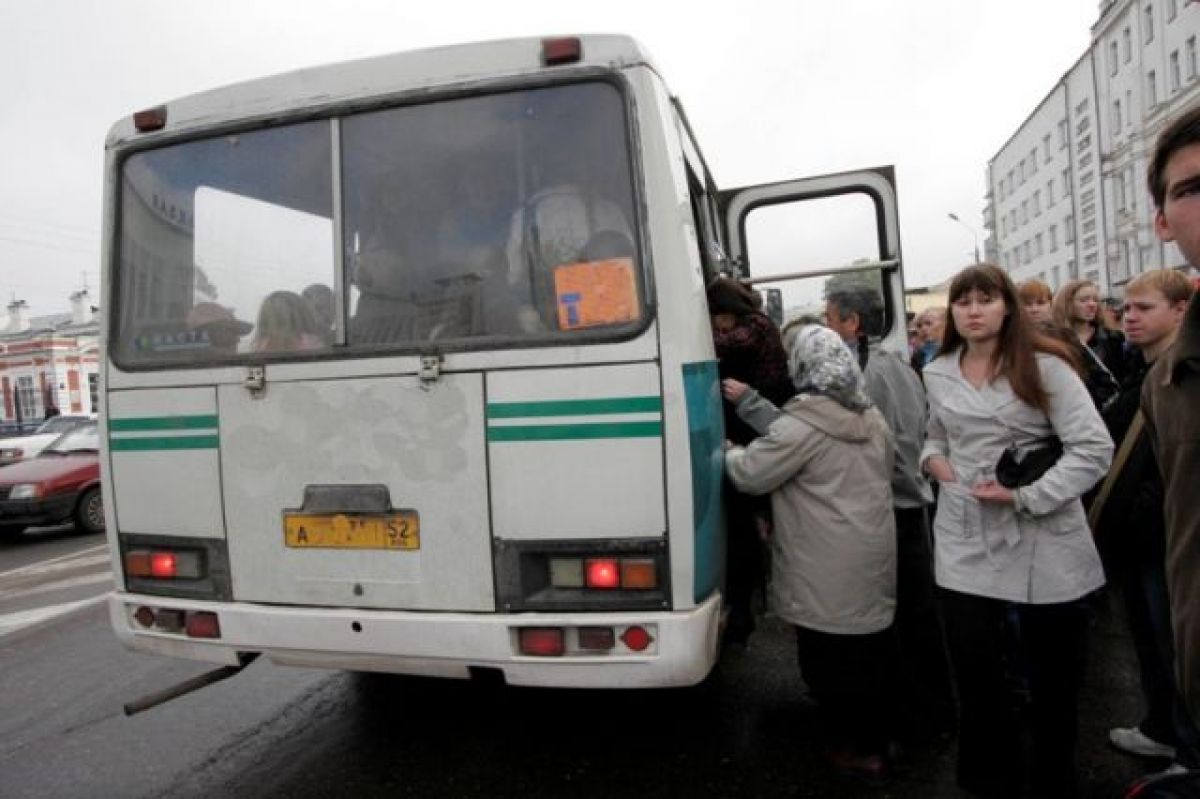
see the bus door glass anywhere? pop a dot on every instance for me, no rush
(799, 241)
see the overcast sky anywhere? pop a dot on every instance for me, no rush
(775, 90)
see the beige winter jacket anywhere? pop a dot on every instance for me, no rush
(829, 472)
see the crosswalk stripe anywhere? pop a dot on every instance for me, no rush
(96, 554)
(11, 622)
(56, 585)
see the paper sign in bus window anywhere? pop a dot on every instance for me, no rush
(594, 293)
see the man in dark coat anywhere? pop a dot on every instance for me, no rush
(1171, 396)
(1129, 525)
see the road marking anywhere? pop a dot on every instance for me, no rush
(76, 556)
(57, 585)
(11, 622)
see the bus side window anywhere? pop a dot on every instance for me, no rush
(711, 256)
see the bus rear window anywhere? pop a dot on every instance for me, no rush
(474, 221)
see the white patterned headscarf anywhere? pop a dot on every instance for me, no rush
(821, 364)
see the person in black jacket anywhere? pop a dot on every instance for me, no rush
(1077, 306)
(1130, 527)
(750, 350)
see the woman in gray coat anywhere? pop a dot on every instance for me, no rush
(995, 385)
(826, 461)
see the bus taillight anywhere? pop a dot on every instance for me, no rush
(542, 641)
(603, 573)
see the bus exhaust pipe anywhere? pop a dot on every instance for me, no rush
(187, 686)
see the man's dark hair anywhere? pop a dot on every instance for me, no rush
(863, 301)
(1179, 134)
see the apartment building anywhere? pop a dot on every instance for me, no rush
(1066, 193)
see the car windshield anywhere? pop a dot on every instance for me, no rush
(58, 424)
(83, 438)
(497, 217)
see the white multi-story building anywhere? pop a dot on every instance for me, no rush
(1066, 193)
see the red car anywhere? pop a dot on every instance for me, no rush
(61, 484)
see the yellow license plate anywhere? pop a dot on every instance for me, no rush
(397, 530)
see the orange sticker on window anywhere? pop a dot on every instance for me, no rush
(593, 293)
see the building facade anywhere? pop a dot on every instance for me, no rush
(49, 361)
(1066, 195)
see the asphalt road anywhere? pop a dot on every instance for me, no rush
(279, 732)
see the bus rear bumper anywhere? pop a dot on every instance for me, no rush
(681, 651)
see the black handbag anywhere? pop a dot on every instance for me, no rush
(1013, 471)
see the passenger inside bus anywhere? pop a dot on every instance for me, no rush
(285, 324)
(219, 326)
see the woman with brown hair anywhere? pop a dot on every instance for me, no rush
(1038, 301)
(1010, 538)
(1077, 306)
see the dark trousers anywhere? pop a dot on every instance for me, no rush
(744, 562)
(1148, 609)
(990, 751)
(849, 677)
(926, 690)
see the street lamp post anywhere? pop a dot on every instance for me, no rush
(974, 235)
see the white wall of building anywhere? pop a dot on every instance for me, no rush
(1083, 210)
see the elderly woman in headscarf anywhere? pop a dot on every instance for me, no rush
(826, 461)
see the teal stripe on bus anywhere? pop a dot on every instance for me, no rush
(163, 423)
(580, 407)
(574, 432)
(164, 443)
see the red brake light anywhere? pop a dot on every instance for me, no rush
(603, 573)
(162, 564)
(542, 641)
(203, 624)
(636, 638)
(151, 119)
(566, 50)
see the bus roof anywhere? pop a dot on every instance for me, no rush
(378, 76)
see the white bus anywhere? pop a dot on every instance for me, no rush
(408, 366)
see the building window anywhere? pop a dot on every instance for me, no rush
(1033, 161)
(1148, 14)
(1049, 193)
(1085, 159)
(1037, 203)
(1056, 276)
(1037, 245)
(29, 405)
(1176, 75)
(1152, 88)
(1116, 116)
(1171, 10)
(1119, 190)
(1127, 44)
(1190, 50)
(1086, 178)
(1072, 270)
(1063, 131)
(1046, 144)
(1112, 57)
(1089, 243)
(1069, 230)
(1024, 211)
(94, 391)
(1053, 238)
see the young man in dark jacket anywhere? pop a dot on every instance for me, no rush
(1171, 397)
(1130, 529)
